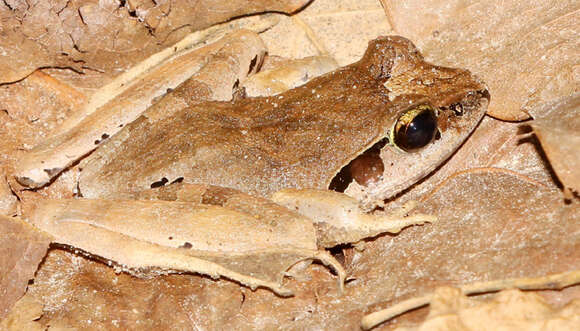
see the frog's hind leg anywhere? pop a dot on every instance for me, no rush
(134, 255)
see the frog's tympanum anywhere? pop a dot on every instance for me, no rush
(370, 130)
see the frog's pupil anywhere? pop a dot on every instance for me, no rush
(418, 133)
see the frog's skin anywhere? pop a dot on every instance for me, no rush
(298, 139)
(289, 147)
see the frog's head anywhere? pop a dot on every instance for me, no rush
(431, 111)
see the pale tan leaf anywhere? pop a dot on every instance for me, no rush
(22, 247)
(558, 129)
(23, 316)
(527, 52)
(340, 29)
(493, 224)
(8, 200)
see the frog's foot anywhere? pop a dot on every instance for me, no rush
(340, 219)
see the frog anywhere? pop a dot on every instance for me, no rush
(229, 189)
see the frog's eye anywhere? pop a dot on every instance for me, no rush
(416, 128)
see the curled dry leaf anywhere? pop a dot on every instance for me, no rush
(211, 70)
(527, 52)
(22, 247)
(558, 129)
(106, 36)
(549, 282)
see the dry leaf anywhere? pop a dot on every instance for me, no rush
(8, 200)
(106, 36)
(508, 310)
(558, 129)
(493, 224)
(23, 316)
(527, 52)
(165, 18)
(340, 29)
(22, 247)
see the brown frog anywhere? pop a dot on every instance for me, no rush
(396, 113)
(369, 130)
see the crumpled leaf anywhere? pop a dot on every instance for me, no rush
(507, 310)
(527, 52)
(106, 36)
(22, 247)
(558, 129)
(340, 29)
(165, 18)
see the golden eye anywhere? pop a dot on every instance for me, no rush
(416, 128)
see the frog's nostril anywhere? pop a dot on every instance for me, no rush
(457, 109)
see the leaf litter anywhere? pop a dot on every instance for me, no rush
(498, 223)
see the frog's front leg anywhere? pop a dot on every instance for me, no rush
(339, 218)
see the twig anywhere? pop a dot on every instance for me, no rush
(551, 282)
